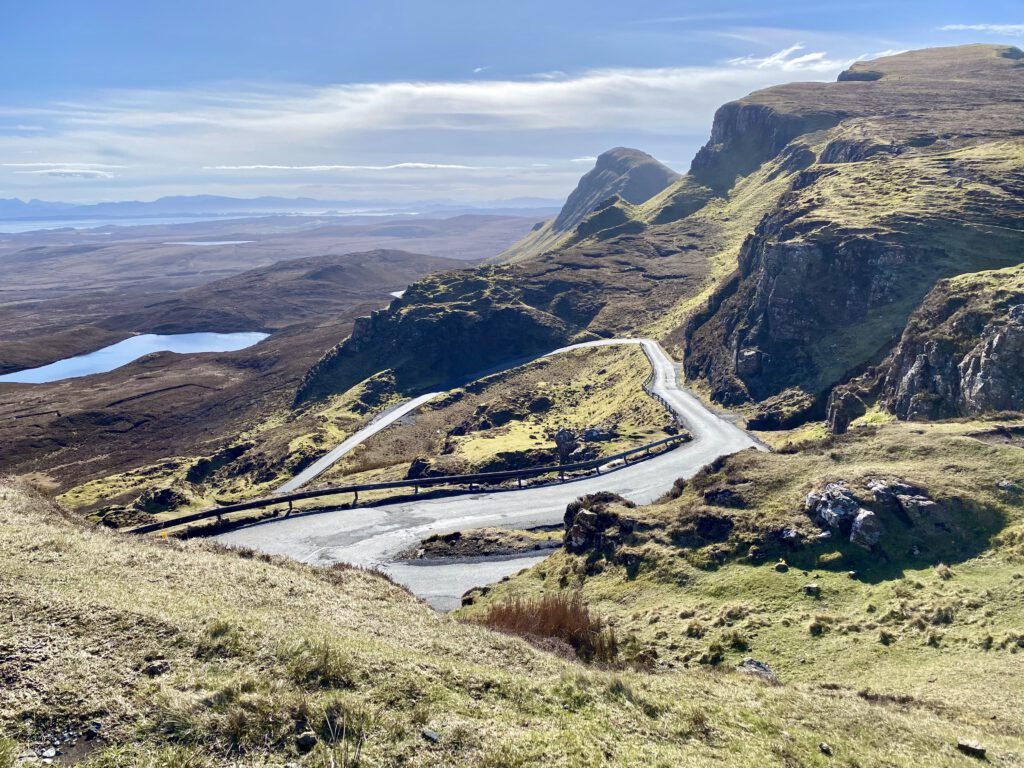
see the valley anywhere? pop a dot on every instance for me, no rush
(823, 317)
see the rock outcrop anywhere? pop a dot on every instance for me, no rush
(907, 175)
(962, 353)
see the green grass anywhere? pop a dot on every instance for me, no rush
(261, 649)
(951, 617)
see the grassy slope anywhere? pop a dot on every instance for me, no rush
(258, 649)
(954, 614)
(587, 388)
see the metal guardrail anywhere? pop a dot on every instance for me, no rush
(480, 478)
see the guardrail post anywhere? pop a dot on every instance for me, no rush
(355, 499)
(561, 475)
(416, 489)
(520, 480)
(289, 513)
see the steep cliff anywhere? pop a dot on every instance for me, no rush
(630, 174)
(962, 352)
(623, 174)
(914, 175)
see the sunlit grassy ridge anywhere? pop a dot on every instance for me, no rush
(186, 654)
(510, 419)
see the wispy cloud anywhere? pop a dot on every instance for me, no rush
(786, 61)
(473, 137)
(392, 167)
(38, 164)
(1009, 30)
(68, 173)
(586, 160)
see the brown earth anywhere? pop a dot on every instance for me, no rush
(169, 404)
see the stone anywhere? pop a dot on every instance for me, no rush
(790, 537)
(825, 748)
(432, 736)
(418, 468)
(757, 668)
(305, 741)
(917, 507)
(812, 590)
(598, 435)
(835, 506)
(970, 747)
(1009, 486)
(748, 362)
(781, 566)
(867, 529)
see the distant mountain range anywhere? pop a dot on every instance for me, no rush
(13, 209)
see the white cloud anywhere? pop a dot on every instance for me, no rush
(785, 61)
(584, 160)
(474, 136)
(392, 167)
(1010, 30)
(55, 163)
(68, 173)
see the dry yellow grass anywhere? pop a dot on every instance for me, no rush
(257, 649)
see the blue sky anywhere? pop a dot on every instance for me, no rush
(394, 100)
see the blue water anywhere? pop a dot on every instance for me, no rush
(124, 352)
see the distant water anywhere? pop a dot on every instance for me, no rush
(124, 352)
(18, 226)
(211, 242)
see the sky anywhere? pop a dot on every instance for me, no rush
(402, 100)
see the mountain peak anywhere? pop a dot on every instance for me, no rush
(633, 175)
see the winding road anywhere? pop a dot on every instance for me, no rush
(373, 536)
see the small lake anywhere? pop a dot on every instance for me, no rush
(124, 352)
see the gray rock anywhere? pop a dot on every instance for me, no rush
(1009, 486)
(781, 566)
(867, 529)
(598, 435)
(757, 668)
(825, 748)
(48, 752)
(812, 590)
(835, 506)
(918, 507)
(432, 736)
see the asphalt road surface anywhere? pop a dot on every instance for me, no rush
(373, 536)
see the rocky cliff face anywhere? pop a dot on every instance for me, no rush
(629, 174)
(444, 328)
(903, 178)
(962, 353)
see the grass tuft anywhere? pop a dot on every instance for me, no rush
(561, 616)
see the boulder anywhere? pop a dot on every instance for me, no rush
(757, 668)
(918, 507)
(598, 435)
(835, 507)
(812, 590)
(867, 529)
